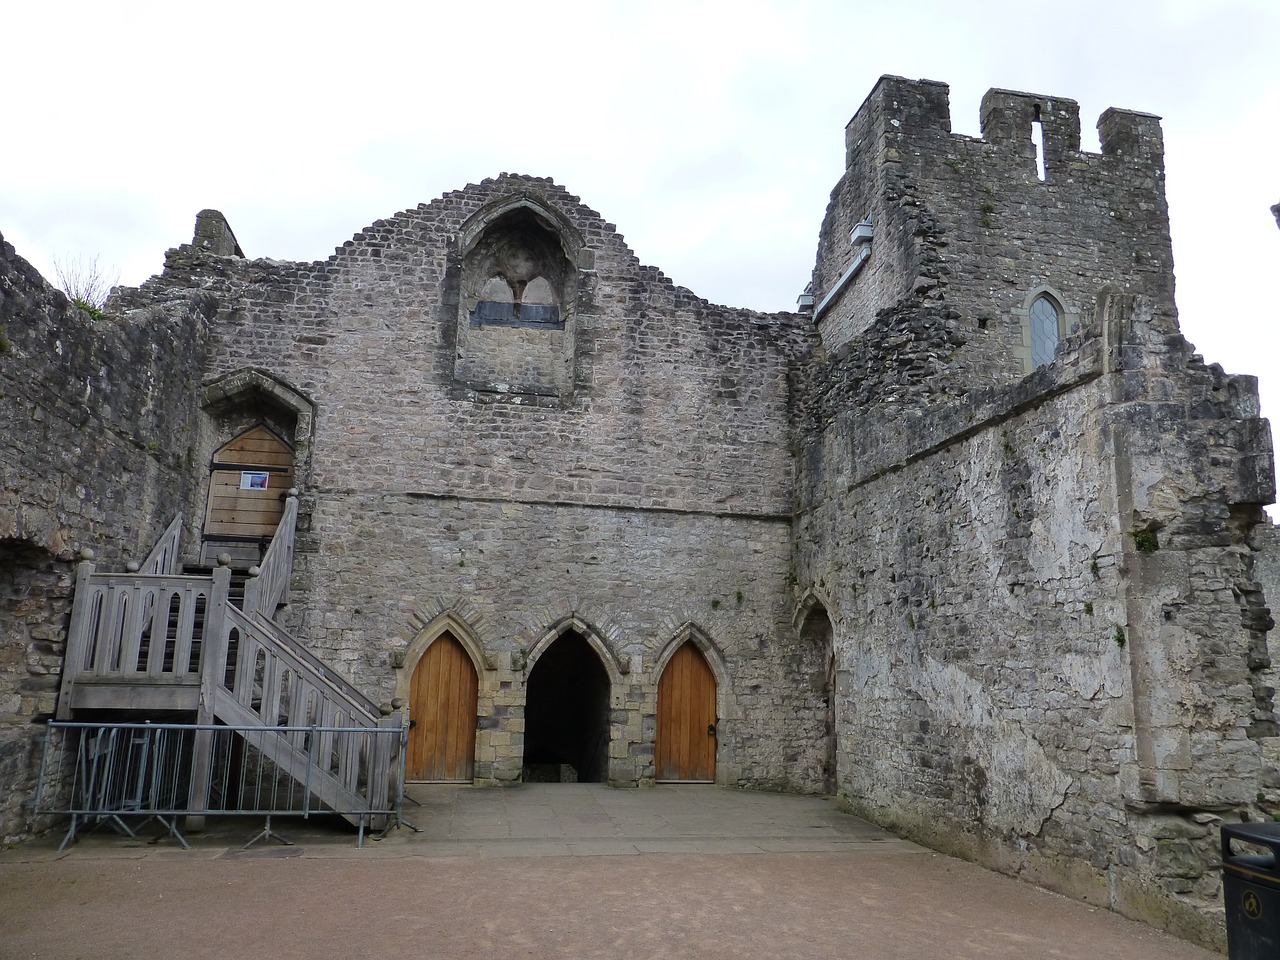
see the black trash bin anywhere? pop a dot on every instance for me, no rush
(1251, 890)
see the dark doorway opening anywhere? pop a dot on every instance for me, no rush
(818, 636)
(566, 731)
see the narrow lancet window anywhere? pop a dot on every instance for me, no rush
(1045, 330)
(1037, 141)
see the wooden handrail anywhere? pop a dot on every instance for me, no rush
(280, 653)
(136, 627)
(286, 641)
(267, 590)
(273, 681)
(163, 559)
(146, 628)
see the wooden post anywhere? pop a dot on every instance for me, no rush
(383, 767)
(213, 660)
(78, 632)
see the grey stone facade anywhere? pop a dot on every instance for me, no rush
(1010, 612)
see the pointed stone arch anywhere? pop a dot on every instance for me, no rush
(520, 266)
(816, 634)
(690, 631)
(690, 716)
(572, 687)
(595, 639)
(571, 240)
(1066, 320)
(450, 622)
(1111, 310)
(439, 681)
(234, 405)
(241, 387)
(813, 597)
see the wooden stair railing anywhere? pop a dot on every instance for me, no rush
(136, 641)
(265, 678)
(268, 589)
(156, 640)
(163, 559)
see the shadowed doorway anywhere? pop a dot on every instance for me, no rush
(818, 640)
(566, 714)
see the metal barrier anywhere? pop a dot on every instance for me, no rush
(104, 773)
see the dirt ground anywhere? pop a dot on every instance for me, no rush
(651, 906)
(550, 872)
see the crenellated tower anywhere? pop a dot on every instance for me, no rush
(989, 230)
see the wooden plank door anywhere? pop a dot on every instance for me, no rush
(442, 706)
(247, 486)
(686, 748)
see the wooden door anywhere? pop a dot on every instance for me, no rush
(247, 486)
(686, 749)
(442, 706)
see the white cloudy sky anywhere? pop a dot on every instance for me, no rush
(711, 133)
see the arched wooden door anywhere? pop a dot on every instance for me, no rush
(442, 706)
(686, 748)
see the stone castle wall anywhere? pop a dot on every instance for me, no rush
(99, 420)
(647, 495)
(966, 226)
(1050, 644)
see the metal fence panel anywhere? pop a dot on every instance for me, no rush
(103, 773)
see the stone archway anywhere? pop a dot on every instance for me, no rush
(443, 694)
(567, 701)
(439, 681)
(260, 428)
(694, 710)
(818, 638)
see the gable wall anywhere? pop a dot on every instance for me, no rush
(654, 491)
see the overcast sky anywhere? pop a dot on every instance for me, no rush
(711, 133)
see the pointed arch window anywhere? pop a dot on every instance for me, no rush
(1046, 330)
(1045, 321)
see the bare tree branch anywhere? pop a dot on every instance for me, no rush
(84, 282)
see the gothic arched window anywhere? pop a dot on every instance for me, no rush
(1045, 320)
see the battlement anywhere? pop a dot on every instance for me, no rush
(1022, 207)
(920, 110)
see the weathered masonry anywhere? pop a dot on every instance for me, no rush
(967, 540)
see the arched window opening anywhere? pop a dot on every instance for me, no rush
(1046, 326)
(519, 272)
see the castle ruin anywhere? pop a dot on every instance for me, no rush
(967, 540)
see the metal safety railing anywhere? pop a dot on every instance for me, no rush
(121, 773)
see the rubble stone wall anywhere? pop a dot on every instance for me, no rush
(1043, 587)
(98, 418)
(1050, 641)
(647, 495)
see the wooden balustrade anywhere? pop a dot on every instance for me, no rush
(164, 559)
(138, 641)
(269, 588)
(154, 640)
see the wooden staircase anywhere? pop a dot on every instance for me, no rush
(156, 641)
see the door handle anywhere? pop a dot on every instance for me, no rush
(711, 729)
